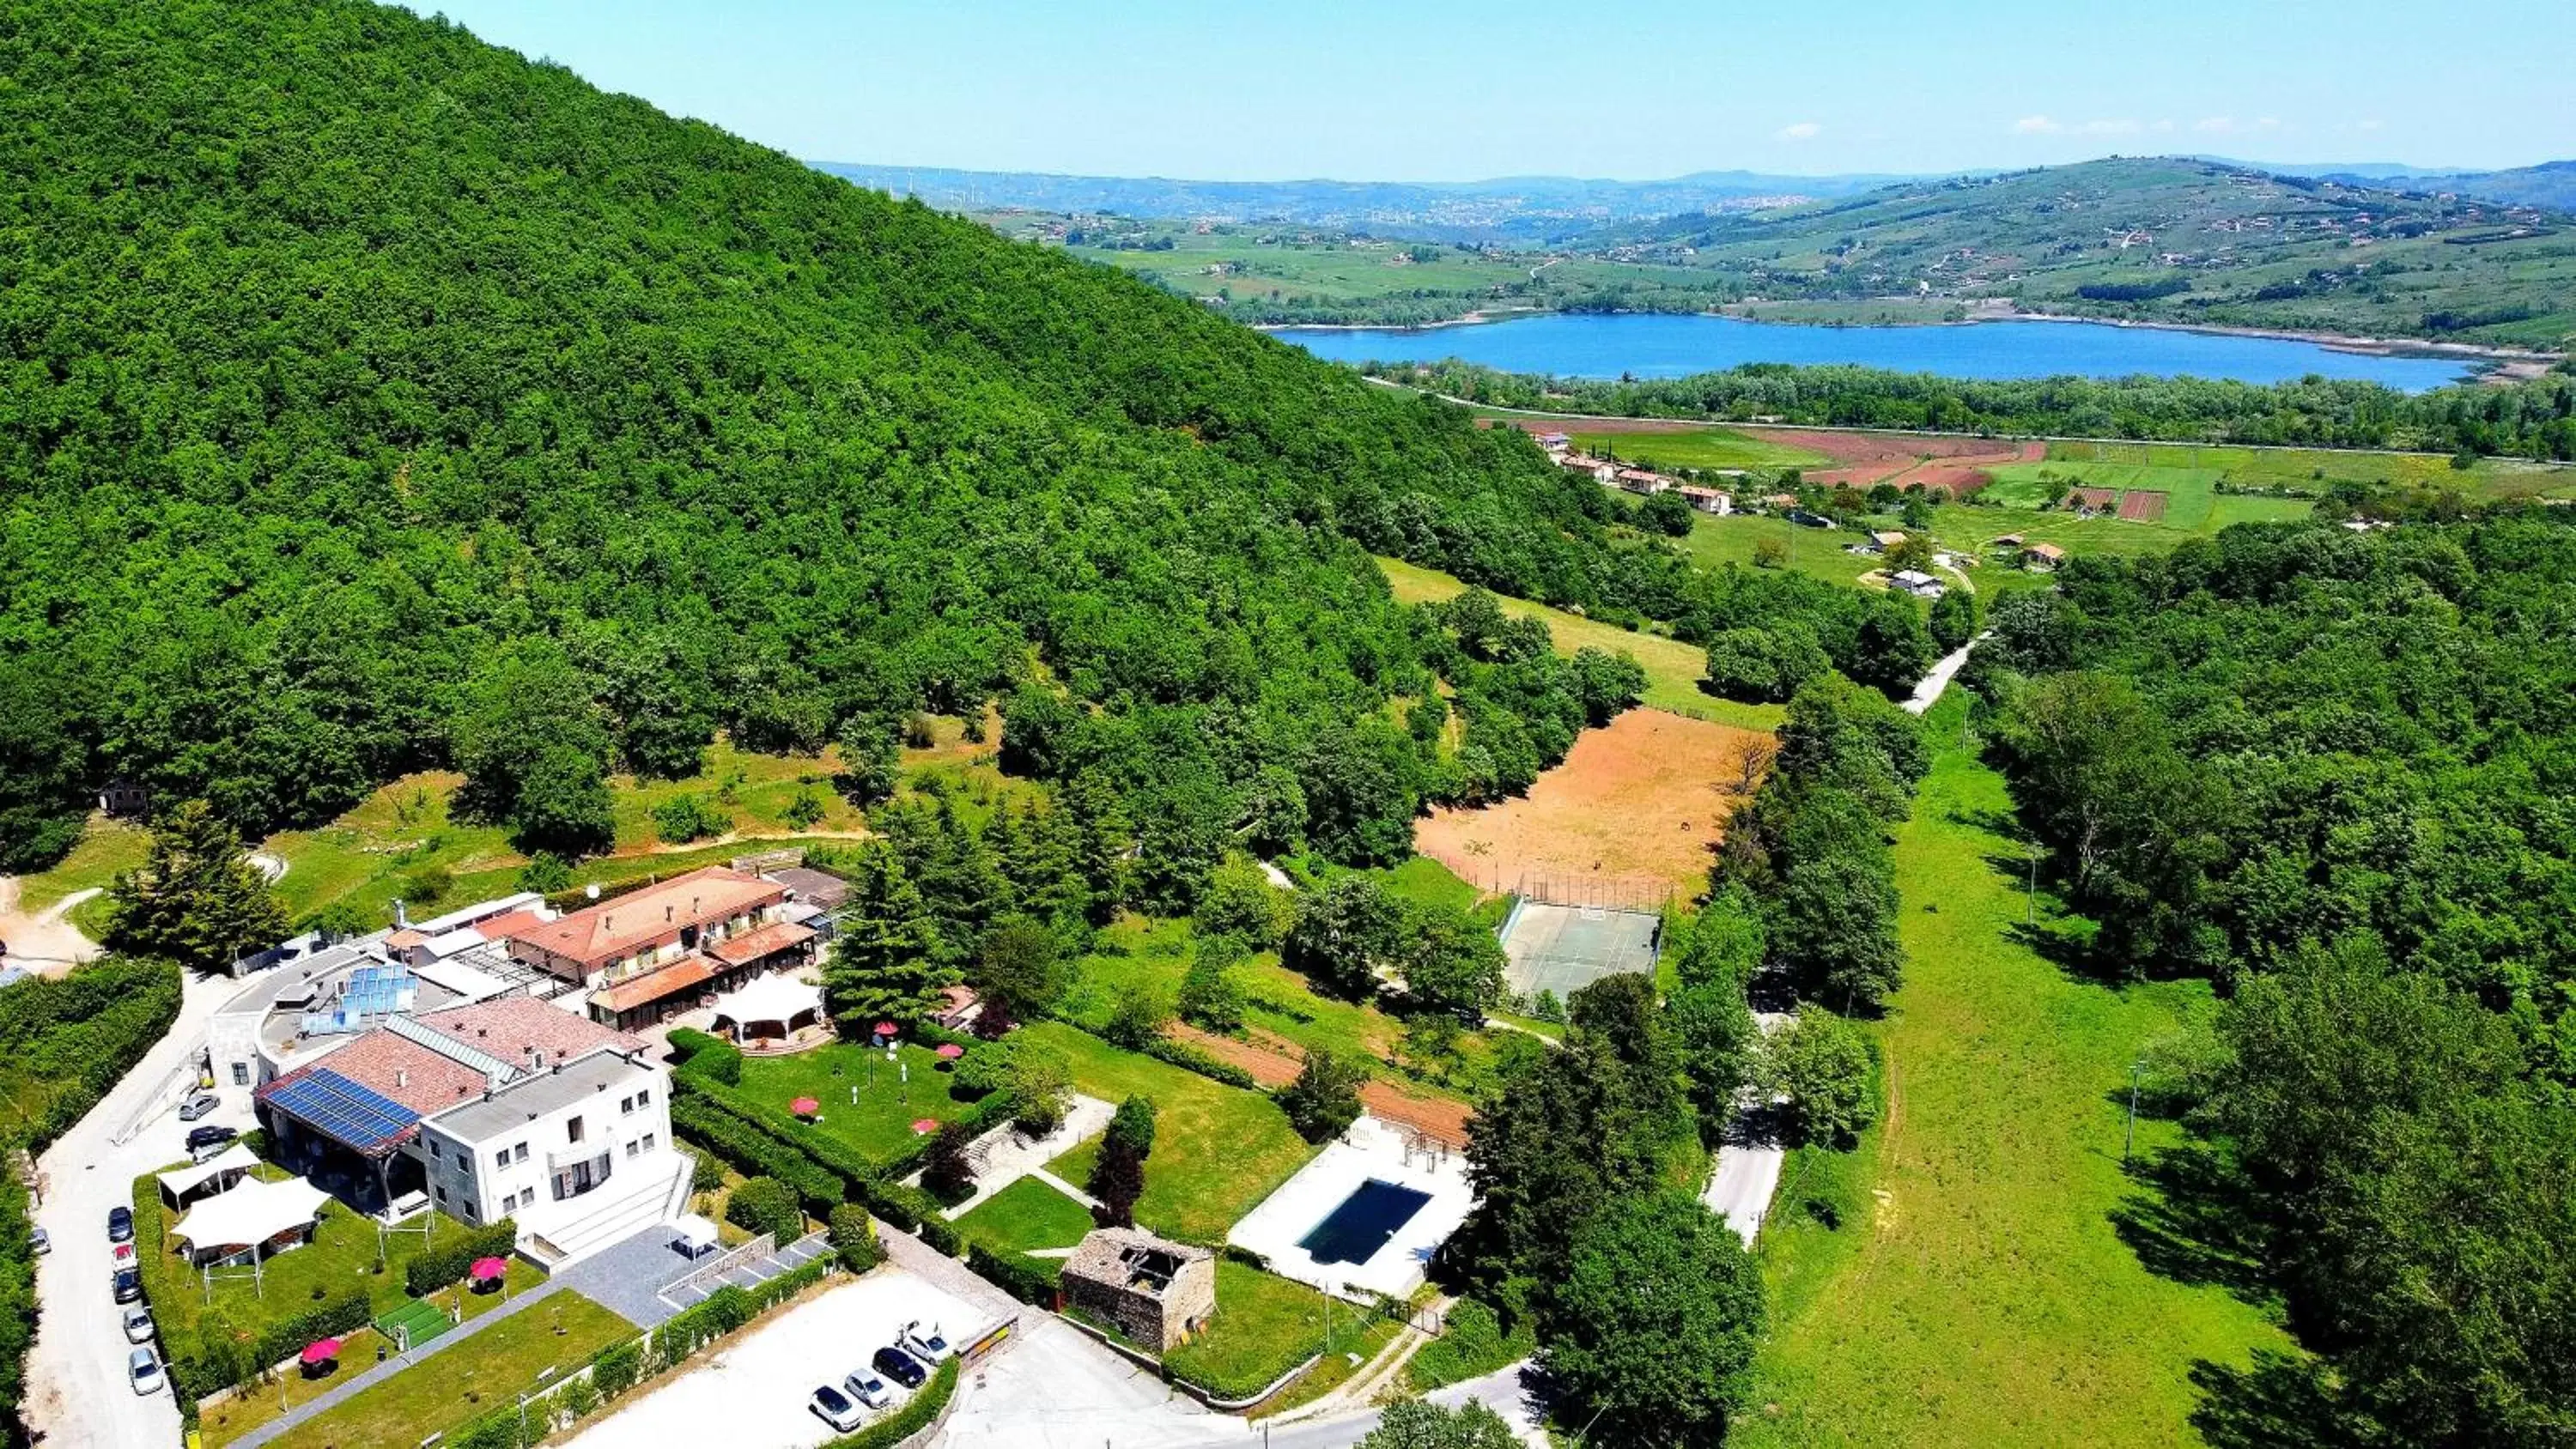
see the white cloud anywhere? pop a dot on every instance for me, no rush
(2037, 126)
(2110, 128)
(2215, 125)
(2163, 125)
(1802, 131)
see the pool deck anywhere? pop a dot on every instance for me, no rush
(1371, 1149)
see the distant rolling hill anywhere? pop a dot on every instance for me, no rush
(2161, 239)
(1519, 209)
(2551, 184)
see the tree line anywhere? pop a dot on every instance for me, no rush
(2331, 771)
(2533, 419)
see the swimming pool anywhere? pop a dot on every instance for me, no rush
(1372, 1214)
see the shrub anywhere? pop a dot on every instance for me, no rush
(1012, 1275)
(766, 1205)
(1325, 1099)
(687, 817)
(948, 1176)
(1137, 1019)
(448, 1262)
(1190, 1059)
(937, 1234)
(854, 1238)
(616, 1367)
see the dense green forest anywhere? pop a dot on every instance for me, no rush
(2334, 771)
(2530, 420)
(380, 399)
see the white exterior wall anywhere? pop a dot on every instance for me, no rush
(479, 1187)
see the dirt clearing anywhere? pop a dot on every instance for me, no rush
(1648, 796)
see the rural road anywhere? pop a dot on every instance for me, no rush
(77, 1393)
(45, 942)
(1503, 1391)
(1748, 1161)
(1927, 692)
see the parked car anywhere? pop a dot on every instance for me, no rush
(138, 1324)
(144, 1367)
(210, 1135)
(41, 1241)
(128, 1284)
(925, 1344)
(120, 1224)
(836, 1409)
(122, 1255)
(197, 1106)
(899, 1366)
(868, 1389)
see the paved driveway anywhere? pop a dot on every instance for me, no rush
(77, 1393)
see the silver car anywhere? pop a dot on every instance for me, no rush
(869, 1389)
(144, 1367)
(138, 1324)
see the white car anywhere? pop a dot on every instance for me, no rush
(138, 1324)
(144, 1368)
(869, 1388)
(837, 1409)
(926, 1344)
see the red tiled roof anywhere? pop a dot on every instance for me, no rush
(650, 916)
(395, 1068)
(511, 1027)
(508, 924)
(769, 940)
(635, 991)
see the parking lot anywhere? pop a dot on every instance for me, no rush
(753, 1395)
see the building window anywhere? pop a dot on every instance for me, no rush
(241, 1074)
(572, 1130)
(523, 1152)
(634, 1147)
(468, 1210)
(648, 1141)
(501, 1158)
(644, 1098)
(433, 1149)
(440, 1193)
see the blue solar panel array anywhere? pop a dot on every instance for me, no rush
(371, 994)
(342, 1110)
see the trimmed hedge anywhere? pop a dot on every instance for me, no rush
(938, 1234)
(706, 1056)
(915, 1416)
(1190, 1059)
(440, 1267)
(1027, 1284)
(854, 1238)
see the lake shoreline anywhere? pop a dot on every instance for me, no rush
(2518, 363)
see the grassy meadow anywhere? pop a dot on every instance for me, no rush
(1709, 447)
(1976, 1291)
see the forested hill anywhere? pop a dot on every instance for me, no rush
(2169, 239)
(379, 398)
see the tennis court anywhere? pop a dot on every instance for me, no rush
(1566, 948)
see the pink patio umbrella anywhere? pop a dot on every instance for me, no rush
(885, 1028)
(950, 1051)
(926, 1125)
(320, 1351)
(804, 1106)
(488, 1268)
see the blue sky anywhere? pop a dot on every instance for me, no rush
(1447, 91)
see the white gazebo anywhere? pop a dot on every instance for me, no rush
(252, 1220)
(769, 1007)
(217, 1174)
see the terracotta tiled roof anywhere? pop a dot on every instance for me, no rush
(769, 940)
(508, 924)
(400, 1070)
(635, 991)
(652, 915)
(404, 939)
(512, 1027)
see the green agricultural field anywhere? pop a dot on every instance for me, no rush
(1698, 447)
(1218, 1150)
(891, 1095)
(1027, 1215)
(1976, 1291)
(1820, 553)
(1673, 669)
(468, 1379)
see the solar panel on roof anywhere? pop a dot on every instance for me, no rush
(348, 1113)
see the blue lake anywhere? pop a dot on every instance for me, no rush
(1609, 346)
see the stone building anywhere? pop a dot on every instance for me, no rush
(1157, 1292)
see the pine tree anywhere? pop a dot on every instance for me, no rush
(1101, 839)
(197, 900)
(884, 965)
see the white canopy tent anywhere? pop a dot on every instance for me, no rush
(770, 1000)
(219, 1172)
(692, 1234)
(249, 1218)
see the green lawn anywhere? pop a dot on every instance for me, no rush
(881, 1124)
(1218, 1150)
(1700, 447)
(1028, 1214)
(471, 1378)
(1976, 1291)
(1074, 1164)
(1265, 1325)
(106, 849)
(1673, 669)
(341, 1255)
